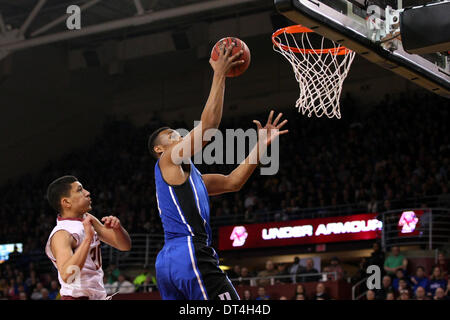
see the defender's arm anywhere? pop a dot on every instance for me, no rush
(112, 232)
(66, 260)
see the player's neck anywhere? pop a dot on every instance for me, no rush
(68, 215)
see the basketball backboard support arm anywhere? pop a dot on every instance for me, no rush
(352, 31)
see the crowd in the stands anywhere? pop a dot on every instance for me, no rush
(372, 160)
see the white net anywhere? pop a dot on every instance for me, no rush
(319, 72)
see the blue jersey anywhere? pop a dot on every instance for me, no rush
(184, 209)
(187, 267)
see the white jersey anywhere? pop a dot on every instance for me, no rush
(90, 281)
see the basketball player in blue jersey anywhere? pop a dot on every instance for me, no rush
(187, 268)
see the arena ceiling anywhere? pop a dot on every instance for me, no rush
(15, 12)
(30, 23)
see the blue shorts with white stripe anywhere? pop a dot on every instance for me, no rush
(187, 269)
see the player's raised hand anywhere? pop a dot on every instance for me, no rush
(88, 228)
(226, 60)
(111, 222)
(272, 128)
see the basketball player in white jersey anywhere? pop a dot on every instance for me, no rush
(74, 244)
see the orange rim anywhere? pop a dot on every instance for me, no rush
(301, 29)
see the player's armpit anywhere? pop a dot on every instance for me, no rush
(218, 184)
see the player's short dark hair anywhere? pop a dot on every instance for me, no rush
(59, 188)
(152, 141)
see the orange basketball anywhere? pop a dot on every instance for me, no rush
(238, 45)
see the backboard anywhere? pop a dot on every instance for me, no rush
(371, 29)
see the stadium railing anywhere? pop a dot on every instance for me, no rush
(442, 200)
(253, 281)
(430, 230)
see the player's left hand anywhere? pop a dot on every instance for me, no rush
(271, 130)
(111, 222)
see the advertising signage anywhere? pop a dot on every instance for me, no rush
(409, 223)
(300, 232)
(6, 249)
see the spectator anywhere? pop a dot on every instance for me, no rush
(335, 266)
(390, 296)
(436, 281)
(299, 289)
(268, 272)
(321, 293)
(22, 296)
(31, 281)
(37, 292)
(296, 269)
(372, 205)
(421, 294)
(262, 294)
(243, 279)
(442, 263)
(395, 261)
(53, 294)
(300, 296)
(403, 285)
(148, 285)
(404, 295)
(122, 285)
(439, 294)
(282, 272)
(144, 277)
(377, 256)
(370, 295)
(250, 200)
(420, 279)
(44, 293)
(247, 295)
(310, 270)
(362, 270)
(234, 273)
(283, 298)
(20, 290)
(12, 293)
(399, 274)
(112, 273)
(14, 256)
(387, 287)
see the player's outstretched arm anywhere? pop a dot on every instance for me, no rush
(67, 261)
(212, 112)
(112, 232)
(218, 184)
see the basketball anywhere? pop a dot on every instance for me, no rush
(238, 45)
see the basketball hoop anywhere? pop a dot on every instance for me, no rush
(319, 72)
